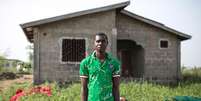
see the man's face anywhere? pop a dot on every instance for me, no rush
(100, 43)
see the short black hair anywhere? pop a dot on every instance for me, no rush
(102, 34)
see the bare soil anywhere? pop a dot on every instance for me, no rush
(22, 79)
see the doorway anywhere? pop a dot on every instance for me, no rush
(131, 56)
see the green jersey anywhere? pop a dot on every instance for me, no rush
(100, 76)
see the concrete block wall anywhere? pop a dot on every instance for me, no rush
(48, 45)
(160, 64)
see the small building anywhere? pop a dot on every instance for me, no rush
(10, 63)
(147, 49)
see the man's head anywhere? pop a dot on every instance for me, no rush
(101, 42)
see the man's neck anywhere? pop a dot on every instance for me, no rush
(100, 55)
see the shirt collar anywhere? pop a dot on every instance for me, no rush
(94, 53)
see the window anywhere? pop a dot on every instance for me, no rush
(163, 43)
(73, 50)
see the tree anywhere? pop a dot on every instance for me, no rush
(30, 53)
(2, 61)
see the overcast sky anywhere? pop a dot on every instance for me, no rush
(181, 15)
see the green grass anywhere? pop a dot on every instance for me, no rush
(152, 92)
(132, 91)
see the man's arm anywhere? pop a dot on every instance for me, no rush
(115, 89)
(84, 89)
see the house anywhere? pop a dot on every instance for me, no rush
(147, 49)
(9, 63)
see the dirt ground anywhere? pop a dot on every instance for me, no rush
(7, 83)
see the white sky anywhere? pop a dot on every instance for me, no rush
(181, 15)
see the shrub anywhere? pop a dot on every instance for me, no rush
(192, 74)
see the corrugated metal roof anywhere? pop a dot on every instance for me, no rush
(29, 35)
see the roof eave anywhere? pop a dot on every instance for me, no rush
(79, 13)
(71, 15)
(28, 34)
(181, 35)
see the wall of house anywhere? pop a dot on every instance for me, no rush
(160, 65)
(47, 44)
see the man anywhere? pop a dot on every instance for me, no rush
(100, 73)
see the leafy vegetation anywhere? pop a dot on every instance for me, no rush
(26, 68)
(132, 91)
(191, 75)
(2, 61)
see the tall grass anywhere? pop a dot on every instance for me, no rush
(132, 91)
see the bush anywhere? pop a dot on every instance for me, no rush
(191, 74)
(8, 75)
(25, 68)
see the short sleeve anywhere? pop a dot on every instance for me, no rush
(117, 68)
(83, 69)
